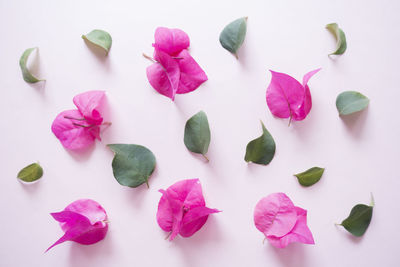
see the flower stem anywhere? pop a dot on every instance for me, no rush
(149, 58)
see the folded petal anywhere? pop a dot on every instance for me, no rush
(90, 105)
(285, 95)
(305, 108)
(300, 232)
(171, 41)
(83, 221)
(192, 75)
(164, 74)
(275, 215)
(164, 214)
(73, 131)
(194, 219)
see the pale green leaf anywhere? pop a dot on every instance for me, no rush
(30, 173)
(310, 176)
(351, 101)
(26, 74)
(100, 38)
(233, 35)
(341, 43)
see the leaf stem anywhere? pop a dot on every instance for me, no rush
(372, 204)
(149, 58)
(147, 183)
(338, 224)
(205, 157)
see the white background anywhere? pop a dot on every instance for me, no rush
(360, 153)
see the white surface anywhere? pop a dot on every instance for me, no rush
(361, 154)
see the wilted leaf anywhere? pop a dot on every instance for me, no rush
(341, 44)
(100, 38)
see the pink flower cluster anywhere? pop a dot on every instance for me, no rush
(174, 71)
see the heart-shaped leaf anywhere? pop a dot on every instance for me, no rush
(26, 74)
(351, 101)
(359, 219)
(232, 36)
(262, 149)
(132, 164)
(30, 173)
(310, 176)
(341, 44)
(100, 38)
(197, 134)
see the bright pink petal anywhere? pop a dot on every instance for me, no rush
(164, 74)
(83, 221)
(192, 75)
(300, 232)
(181, 209)
(285, 95)
(194, 219)
(90, 105)
(307, 104)
(275, 215)
(73, 131)
(171, 41)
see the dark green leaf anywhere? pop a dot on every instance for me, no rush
(132, 164)
(341, 44)
(262, 149)
(350, 101)
(30, 173)
(310, 176)
(197, 134)
(359, 219)
(100, 38)
(26, 74)
(232, 36)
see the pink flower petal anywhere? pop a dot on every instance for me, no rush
(275, 215)
(83, 221)
(181, 209)
(90, 105)
(73, 131)
(300, 232)
(171, 41)
(164, 74)
(194, 219)
(286, 97)
(192, 76)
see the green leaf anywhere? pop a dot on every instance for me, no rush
(341, 44)
(197, 134)
(359, 219)
(232, 36)
(132, 164)
(262, 149)
(350, 101)
(30, 173)
(100, 38)
(310, 176)
(26, 74)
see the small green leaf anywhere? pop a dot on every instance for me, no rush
(197, 134)
(232, 36)
(100, 38)
(341, 44)
(26, 74)
(310, 176)
(132, 164)
(262, 149)
(359, 219)
(350, 101)
(30, 173)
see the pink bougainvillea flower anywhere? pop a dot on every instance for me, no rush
(78, 128)
(281, 222)
(182, 209)
(171, 41)
(287, 98)
(174, 71)
(83, 221)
